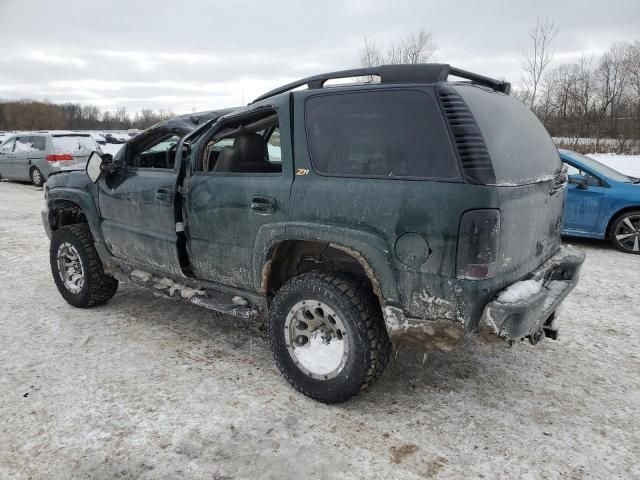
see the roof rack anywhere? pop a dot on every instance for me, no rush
(405, 73)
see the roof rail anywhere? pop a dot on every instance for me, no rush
(497, 85)
(404, 73)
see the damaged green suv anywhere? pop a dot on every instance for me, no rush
(348, 217)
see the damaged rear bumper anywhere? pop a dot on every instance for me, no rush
(532, 315)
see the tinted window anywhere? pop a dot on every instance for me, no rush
(379, 134)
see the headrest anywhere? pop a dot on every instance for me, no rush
(250, 146)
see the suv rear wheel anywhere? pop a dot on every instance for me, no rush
(625, 232)
(77, 269)
(36, 177)
(327, 335)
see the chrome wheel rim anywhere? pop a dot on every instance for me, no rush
(316, 339)
(35, 176)
(70, 267)
(628, 233)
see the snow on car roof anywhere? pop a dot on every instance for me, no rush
(56, 133)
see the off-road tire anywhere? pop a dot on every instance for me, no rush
(36, 177)
(614, 228)
(369, 347)
(98, 287)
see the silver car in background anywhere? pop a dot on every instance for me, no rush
(33, 156)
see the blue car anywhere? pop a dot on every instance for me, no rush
(601, 203)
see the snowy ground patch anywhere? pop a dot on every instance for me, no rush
(627, 164)
(145, 387)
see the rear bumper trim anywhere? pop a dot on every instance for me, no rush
(529, 316)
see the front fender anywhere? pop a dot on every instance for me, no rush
(84, 200)
(369, 249)
(611, 209)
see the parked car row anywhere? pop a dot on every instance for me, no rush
(34, 156)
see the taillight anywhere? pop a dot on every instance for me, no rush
(58, 157)
(478, 241)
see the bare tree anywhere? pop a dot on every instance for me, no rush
(633, 69)
(370, 55)
(547, 96)
(412, 48)
(537, 58)
(612, 77)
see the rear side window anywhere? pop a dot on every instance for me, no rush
(74, 144)
(379, 134)
(25, 144)
(39, 143)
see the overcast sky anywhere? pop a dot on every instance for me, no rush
(208, 54)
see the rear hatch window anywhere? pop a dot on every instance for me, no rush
(521, 150)
(76, 145)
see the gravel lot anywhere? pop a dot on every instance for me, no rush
(144, 387)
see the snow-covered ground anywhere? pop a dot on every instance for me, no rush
(627, 164)
(145, 387)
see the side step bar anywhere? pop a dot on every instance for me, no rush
(212, 299)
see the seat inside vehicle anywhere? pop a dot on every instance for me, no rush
(246, 156)
(245, 149)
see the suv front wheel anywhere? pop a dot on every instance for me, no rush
(328, 336)
(77, 269)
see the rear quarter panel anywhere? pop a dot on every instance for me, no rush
(390, 208)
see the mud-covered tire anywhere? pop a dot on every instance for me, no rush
(620, 227)
(368, 350)
(97, 287)
(36, 177)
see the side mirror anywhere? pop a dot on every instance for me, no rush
(108, 165)
(94, 167)
(580, 181)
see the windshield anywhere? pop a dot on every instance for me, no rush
(600, 168)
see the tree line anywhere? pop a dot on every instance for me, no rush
(34, 115)
(595, 97)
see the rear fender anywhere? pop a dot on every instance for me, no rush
(370, 250)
